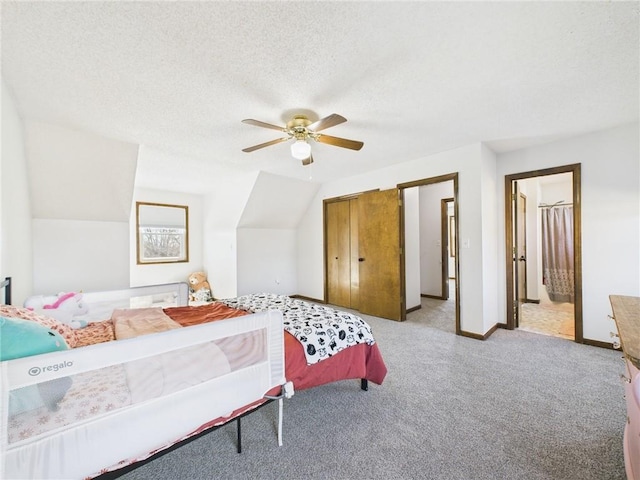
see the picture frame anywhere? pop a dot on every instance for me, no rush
(162, 233)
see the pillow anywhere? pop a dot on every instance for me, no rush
(68, 333)
(23, 338)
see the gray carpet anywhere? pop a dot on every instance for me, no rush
(516, 406)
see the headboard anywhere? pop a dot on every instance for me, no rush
(6, 284)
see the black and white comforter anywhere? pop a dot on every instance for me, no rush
(323, 331)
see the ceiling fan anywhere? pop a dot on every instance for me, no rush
(302, 129)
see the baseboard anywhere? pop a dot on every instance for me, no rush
(308, 299)
(531, 300)
(598, 343)
(437, 297)
(477, 336)
(585, 341)
(413, 309)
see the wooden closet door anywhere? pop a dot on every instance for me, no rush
(338, 237)
(379, 251)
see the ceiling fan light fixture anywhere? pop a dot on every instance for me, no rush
(300, 149)
(301, 129)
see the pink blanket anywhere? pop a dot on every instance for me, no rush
(129, 323)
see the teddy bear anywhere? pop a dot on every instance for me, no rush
(199, 288)
(64, 307)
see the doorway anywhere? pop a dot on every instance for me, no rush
(382, 218)
(543, 247)
(430, 226)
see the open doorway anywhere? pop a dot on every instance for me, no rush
(431, 270)
(543, 236)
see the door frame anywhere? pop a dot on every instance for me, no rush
(519, 199)
(429, 181)
(577, 241)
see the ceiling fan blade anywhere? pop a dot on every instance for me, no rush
(265, 144)
(326, 122)
(308, 161)
(258, 123)
(340, 142)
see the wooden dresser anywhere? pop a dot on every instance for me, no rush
(626, 313)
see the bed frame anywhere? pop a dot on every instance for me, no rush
(109, 443)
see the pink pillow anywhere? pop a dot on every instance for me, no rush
(66, 331)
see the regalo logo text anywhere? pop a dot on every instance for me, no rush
(33, 371)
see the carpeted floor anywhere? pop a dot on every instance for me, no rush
(516, 406)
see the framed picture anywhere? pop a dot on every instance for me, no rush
(162, 233)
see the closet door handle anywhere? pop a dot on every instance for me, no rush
(361, 259)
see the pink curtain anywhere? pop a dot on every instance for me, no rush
(557, 253)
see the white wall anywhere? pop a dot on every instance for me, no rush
(412, 247)
(16, 253)
(250, 240)
(154, 274)
(81, 185)
(74, 255)
(276, 202)
(560, 191)
(222, 210)
(222, 265)
(266, 261)
(79, 175)
(469, 162)
(489, 237)
(610, 188)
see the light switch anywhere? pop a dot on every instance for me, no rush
(466, 243)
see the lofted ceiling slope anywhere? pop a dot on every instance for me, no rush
(277, 202)
(412, 78)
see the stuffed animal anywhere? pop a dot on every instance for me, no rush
(23, 338)
(199, 288)
(64, 308)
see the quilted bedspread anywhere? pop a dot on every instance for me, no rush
(323, 331)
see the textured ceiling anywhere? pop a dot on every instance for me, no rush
(412, 78)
